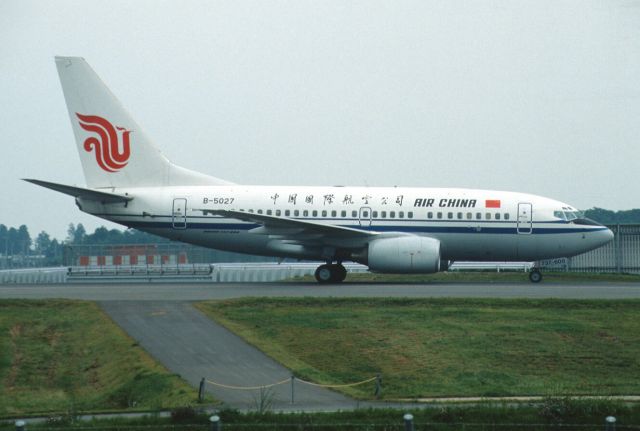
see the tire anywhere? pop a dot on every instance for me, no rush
(339, 272)
(324, 274)
(535, 276)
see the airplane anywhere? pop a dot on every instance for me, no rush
(389, 229)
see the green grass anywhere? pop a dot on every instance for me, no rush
(482, 277)
(61, 355)
(448, 347)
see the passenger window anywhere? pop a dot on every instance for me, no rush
(469, 216)
(429, 215)
(365, 214)
(269, 212)
(497, 216)
(324, 213)
(354, 214)
(287, 213)
(392, 214)
(459, 216)
(488, 216)
(277, 212)
(384, 214)
(251, 211)
(259, 211)
(305, 213)
(296, 213)
(314, 213)
(400, 214)
(410, 214)
(506, 216)
(343, 214)
(334, 213)
(374, 214)
(450, 215)
(439, 215)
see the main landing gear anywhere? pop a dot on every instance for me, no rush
(535, 276)
(331, 273)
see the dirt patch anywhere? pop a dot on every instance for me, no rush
(16, 361)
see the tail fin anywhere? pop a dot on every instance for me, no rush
(114, 151)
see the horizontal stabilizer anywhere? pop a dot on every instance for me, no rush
(79, 192)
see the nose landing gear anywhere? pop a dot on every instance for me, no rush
(535, 276)
(331, 273)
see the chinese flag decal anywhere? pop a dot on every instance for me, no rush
(492, 203)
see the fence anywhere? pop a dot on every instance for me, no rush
(162, 253)
(622, 255)
(291, 381)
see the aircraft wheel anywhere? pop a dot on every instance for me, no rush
(535, 276)
(324, 274)
(339, 273)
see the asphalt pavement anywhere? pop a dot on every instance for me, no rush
(204, 291)
(189, 344)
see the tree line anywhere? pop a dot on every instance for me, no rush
(609, 217)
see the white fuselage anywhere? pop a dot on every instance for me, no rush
(479, 225)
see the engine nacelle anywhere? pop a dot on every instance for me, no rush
(404, 254)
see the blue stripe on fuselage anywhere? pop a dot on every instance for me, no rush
(379, 228)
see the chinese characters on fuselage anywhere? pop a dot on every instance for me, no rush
(347, 199)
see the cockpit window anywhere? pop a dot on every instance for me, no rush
(568, 214)
(572, 215)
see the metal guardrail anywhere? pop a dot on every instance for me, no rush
(139, 272)
(491, 266)
(33, 276)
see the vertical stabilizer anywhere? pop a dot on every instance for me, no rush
(114, 150)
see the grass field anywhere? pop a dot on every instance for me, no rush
(61, 355)
(483, 277)
(448, 347)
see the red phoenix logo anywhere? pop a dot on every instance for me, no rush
(110, 155)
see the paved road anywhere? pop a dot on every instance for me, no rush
(202, 291)
(193, 346)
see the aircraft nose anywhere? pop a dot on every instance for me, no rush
(607, 236)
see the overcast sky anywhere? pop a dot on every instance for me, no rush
(536, 96)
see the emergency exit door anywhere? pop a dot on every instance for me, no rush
(364, 216)
(525, 218)
(179, 213)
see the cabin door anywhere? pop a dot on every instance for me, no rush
(364, 216)
(179, 213)
(525, 218)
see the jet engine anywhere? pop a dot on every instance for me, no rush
(404, 254)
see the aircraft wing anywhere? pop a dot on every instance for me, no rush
(299, 231)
